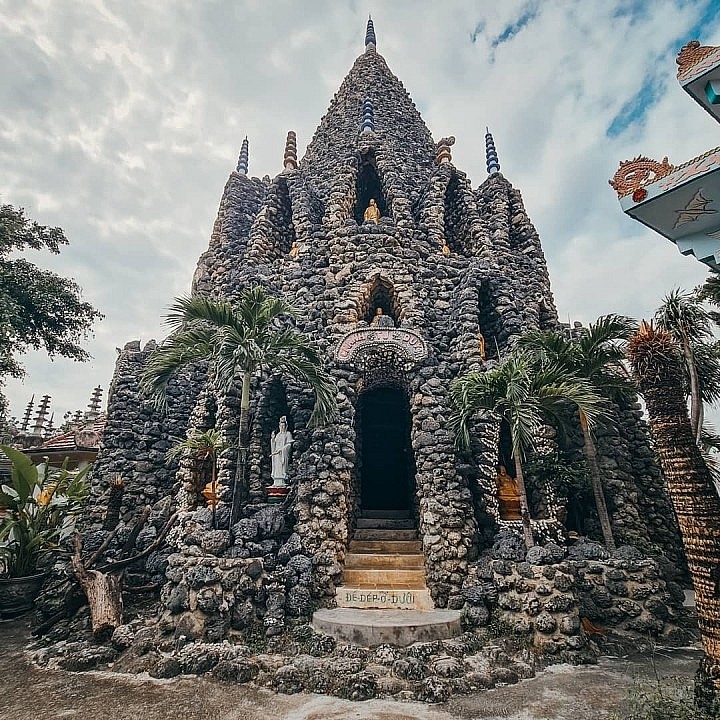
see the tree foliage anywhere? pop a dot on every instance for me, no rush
(38, 308)
(526, 391)
(683, 315)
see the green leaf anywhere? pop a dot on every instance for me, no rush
(24, 473)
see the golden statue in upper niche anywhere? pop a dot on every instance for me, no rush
(372, 214)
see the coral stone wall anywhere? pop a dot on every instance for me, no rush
(493, 286)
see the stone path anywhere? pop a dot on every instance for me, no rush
(561, 693)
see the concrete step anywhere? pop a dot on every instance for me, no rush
(373, 534)
(397, 547)
(383, 561)
(387, 514)
(384, 524)
(389, 578)
(370, 628)
(383, 598)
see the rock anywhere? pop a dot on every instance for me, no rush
(545, 623)
(235, 671)
(270, 522)
(299, 602)
(433, 690)
(538, 555)
(386, 654)
(214, 541)
(83, 656)
(479, 681)
(627, 553)
(504, 676)
(144, 640)
(409, 668)
(588, 550)
(202, 575)
(293, 546)
(476, 616)
(167, 667)
(360, 686)
(446, 667)
(198, 658)
(287, 680)
(122, 637)
(246, 529)
(509, 546)
(177, 599)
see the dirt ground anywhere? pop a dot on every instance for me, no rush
(560, 693)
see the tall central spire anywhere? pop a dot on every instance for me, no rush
(370, 40)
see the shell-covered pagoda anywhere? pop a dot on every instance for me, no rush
(401, 295)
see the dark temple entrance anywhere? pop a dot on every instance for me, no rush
(388, 465)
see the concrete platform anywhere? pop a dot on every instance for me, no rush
(369, 628)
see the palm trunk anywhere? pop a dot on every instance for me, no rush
(696, 404)
(600, 504)
(658, 367)
(524, 507)
(243, 436)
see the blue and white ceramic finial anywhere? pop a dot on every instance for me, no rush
(367, 124)
(242, 166)
(491, 158)
(370, 40)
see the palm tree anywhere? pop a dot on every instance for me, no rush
(238, 339)
(206, 446)
(709, 291)
(658, 366)
(596, 356)
(524, 394)
(682, 314)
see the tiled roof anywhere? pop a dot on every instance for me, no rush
(76, 438)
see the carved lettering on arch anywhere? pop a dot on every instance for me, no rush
(366, 346)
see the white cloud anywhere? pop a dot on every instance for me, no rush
(120, 123)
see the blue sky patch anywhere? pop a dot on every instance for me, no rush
(510, 31)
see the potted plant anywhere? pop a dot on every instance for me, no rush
(40, 508)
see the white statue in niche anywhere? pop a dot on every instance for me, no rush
(280, 442)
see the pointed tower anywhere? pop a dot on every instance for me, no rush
(405, 277)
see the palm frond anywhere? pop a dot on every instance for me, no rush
(200, 308)
(179, 350)
(682, 314)
(707, 363)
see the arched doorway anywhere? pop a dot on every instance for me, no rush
(387, 469)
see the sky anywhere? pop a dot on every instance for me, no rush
(120, 121)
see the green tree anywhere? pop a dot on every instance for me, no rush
(205, 446)
(657, 365)
(237, 340)
(709, 292)
(38, 309)
(525, 394)
(597, 357)
(682, 315)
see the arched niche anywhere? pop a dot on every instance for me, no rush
(456, 221)
(282, 221)
(195, 468)
(547, 319)
(489, 324)
(379, 293)
(272, 405)
(368, 186)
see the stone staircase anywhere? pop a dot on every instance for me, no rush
(384, 567)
